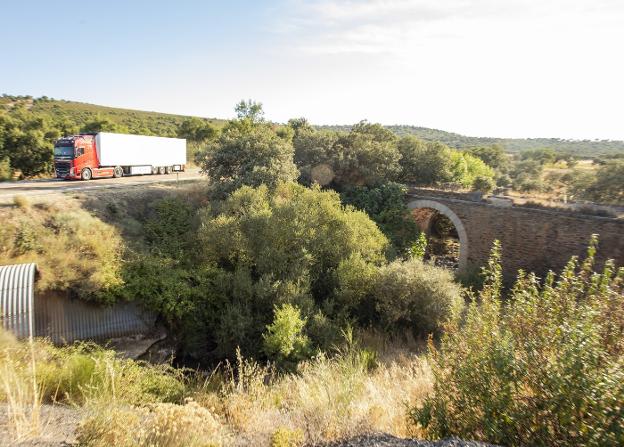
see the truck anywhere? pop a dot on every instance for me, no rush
(105, 155)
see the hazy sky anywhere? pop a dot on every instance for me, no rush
(516, 68)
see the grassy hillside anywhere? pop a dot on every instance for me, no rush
(79, 113)
(586, 148)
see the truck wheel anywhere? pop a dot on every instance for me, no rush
(117, 172)
(154, 170)
(86, 174)
(168, 170)
(161, 170)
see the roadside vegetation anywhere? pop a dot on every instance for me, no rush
(364, 154)
(75, 251)
(297, 292)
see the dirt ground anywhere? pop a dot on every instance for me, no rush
(58, 426)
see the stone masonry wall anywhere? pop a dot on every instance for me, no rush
(532, 239)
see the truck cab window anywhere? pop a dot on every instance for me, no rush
(79, 151)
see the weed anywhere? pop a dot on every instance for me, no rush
(21, 202)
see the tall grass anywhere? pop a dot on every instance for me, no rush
(21, 390)
(129, 403)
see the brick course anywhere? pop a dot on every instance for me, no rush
(532, 239)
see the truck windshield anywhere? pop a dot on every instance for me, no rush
(64, 151)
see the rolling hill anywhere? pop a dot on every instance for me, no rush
(76, 114)
(585, 148)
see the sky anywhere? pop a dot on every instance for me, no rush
(499, 68)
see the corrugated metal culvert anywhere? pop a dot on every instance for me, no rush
(17, 289)
(60, 318)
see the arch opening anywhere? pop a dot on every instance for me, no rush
(446, 234)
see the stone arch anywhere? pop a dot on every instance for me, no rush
(459, 226)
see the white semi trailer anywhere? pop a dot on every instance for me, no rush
(105, 154)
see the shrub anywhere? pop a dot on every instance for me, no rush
(419, 248)
(483, 184)
(284, 437)
(284, 340)
(366, 156)
(543, 369)
(416, 296)
(6, 173)
(21, 202)
(267, 249)
(168, 230)
(356, 279)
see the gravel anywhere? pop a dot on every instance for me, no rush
(384, 440)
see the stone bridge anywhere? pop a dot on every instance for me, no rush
(532, 239)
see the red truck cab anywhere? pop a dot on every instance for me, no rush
(75, 158)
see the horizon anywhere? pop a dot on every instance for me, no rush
(319, 125)
(525, 69)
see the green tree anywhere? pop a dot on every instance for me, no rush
(425, 163)
(103, 125)
(483, 184)
(466, 168)
(493, 156)
(542, 156)
(366, 156)
(248, 153)
(197, 130)
(608, 186)
(413, 295)
(250, 111)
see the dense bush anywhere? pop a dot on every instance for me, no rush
(405, 295)
(608, 186)
(385, 204)
(366, 156)
(413, 295)
(543, 369)
(169, 229)
(483, 184)
(424, 163)
(255, 250)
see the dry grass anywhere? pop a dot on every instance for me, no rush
(331, 399)
(72, 248)
(328, 399)
(158, 425)
(20, 389)
(21, 202)
(352, 393)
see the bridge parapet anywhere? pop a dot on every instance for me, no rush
(532, 239)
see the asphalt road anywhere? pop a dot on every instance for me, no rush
(40, 187)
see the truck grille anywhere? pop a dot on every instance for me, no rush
(61, 169)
